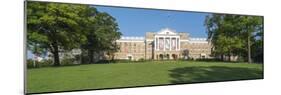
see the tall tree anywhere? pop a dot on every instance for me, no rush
(222, 33)
(102, 35)
(251, 26)
(228, 33)
(55, 26)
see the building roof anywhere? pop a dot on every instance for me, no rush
(164, 31)
(131, 38)
(198, 40)
(167, 31)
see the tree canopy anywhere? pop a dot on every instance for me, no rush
(234, 34)
(58, 27)
(102, 35)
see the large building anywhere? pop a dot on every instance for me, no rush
(162, 45)
(165, 44)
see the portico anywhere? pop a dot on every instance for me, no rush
(166, 45)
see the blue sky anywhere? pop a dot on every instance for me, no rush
(136, 22)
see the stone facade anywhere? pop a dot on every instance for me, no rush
(163, 45)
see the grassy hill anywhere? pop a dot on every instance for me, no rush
(99, 76)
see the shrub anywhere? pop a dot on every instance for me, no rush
(46, 63)
(67, 61)
(141, 60)
(209, 60)
(122, 61)
(30, 63)
(104, 61)
(35, 64)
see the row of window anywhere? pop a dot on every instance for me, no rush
(130, 44)
(135, 55)
(131, 50)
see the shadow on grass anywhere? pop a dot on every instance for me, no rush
(213, 74)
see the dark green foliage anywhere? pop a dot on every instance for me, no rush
(234, 35)
(209, 60)
(58, 27)
(35, 64)
(55, 26)
(50, 63)
(141, 59)
(67, 61)
(101, 36)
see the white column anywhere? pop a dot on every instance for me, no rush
(179, 44)
(170, 43)
(157, 41)
(164, 39)
(154, 43)
(178, 40)
(176, 43)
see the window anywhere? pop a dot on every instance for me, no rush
(203, 57)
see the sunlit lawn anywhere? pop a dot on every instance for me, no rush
(98, 76)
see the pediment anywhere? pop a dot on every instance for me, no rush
(167, 31)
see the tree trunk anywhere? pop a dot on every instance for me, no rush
(112, 57)
(56, 55)
(84, 57)
(229, 57)
(249, 49)
(222, 57)
(91, 56)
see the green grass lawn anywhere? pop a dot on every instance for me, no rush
(98, 76)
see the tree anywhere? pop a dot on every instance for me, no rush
(223, 34)
(101, 36)
(185, 53)
(251, 25)
(227, 33)
(55, 26)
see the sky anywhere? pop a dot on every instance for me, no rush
(136, 22)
